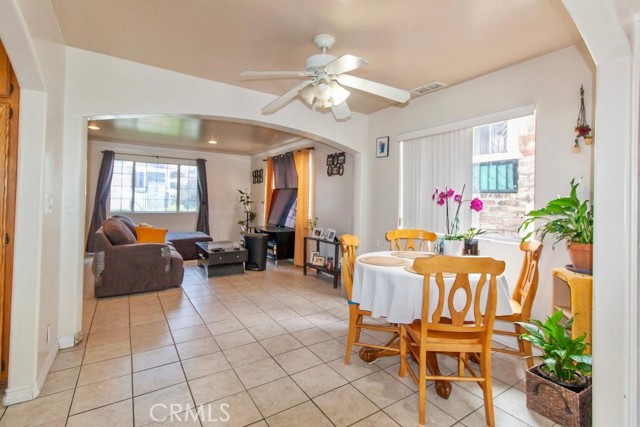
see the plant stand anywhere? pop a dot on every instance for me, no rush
(557, 403)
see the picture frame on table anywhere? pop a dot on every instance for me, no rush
(318, 261)
(382, 146)
(313, 256)
(330, 234)
(317, 232)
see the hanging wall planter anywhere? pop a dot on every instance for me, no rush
(582, 129)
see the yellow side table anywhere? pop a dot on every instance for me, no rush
(572, 293)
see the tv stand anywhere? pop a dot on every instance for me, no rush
(281, 242)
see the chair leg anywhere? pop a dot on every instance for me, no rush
(352, 334)
(422, 387)
(487, 389)
(403, 352)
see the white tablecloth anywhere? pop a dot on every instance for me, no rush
(396, 294)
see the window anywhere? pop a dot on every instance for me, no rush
(153, 187)
(496, 177)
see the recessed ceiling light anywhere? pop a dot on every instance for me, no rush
(94, 127)
(213, 141)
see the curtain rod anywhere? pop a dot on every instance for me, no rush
(157, 157)
(302, 149)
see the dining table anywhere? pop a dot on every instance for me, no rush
(385, 284)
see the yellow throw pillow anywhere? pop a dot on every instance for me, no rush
(150, 235)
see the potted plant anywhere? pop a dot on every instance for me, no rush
(569, 219)
(559, 388)
(453, 240)
(246, 202)
(470, 241)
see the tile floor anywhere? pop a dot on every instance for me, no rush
(270, 345)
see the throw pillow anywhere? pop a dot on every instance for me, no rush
(117, 232)
(150, 235)
(127, 221)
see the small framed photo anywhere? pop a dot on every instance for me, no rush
(318, 232)
(313, 256)
(382, 146)
(330, 234)
(342, 158)
(318, 261)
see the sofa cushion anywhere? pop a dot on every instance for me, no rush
(127, 221)
(117, 232)
(150, 234)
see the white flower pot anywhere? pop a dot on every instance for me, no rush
(453, 247)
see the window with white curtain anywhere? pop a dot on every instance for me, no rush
(492, 157)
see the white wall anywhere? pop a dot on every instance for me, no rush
(31, 36)
(226, 173)
(552, 83)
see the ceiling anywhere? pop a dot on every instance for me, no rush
(408, 43)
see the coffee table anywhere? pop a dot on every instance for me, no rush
(221, 258)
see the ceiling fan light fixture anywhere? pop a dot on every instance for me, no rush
(308, 94)
(338, 93)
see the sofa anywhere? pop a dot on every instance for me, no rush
(122, 265)
(185, 242)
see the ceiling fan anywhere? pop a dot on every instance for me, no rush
(325, 88)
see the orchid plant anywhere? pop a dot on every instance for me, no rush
(443, 198)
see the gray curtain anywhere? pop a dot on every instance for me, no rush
(284, 171)
(202, 224)
(102, 194)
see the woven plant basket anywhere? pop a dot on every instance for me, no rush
(561, 405)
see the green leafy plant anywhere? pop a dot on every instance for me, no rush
(567, 218)
(471, 233)
(246, 202)
(562, 355)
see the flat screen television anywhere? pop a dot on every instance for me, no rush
(282, 212)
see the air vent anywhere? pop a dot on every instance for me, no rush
(429, 87)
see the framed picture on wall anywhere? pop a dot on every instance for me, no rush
(382, 146)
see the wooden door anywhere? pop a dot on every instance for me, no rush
(9, 108)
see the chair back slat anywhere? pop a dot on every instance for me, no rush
(527, 286)
(405, 239)
(348, 243)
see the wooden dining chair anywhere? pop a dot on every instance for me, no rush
(406, 239)
(522, 300)
(349, 243)
(461, 323)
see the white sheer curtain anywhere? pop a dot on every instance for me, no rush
(442, 160)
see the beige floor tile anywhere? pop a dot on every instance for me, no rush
(345, 405)
(514, 402)
(321, 318)
(190, 349)
(60, 381)
(502, 419)
(306, 309)
(382, 389)
(157, 378)
(498, 387)
(225, 326)
(259, 373)
(108, 337)
(144, 318)
(277, 396)
(239, 411)
(149, 329)
(39, 411)
(61, 422)
(297, 360)
(460, 404)
(266, 330)
(112, 368)
(318, 380)
(191, 333)
(311, 336)
(234, 339)
(184, 419)
(107, 351)
(506, 372)
(255, 318)
(205, 365)
(307, 411)
(379, 419)
(180, 312)
(100, 394)
(296, 324)
(110, 322)
(152, 358)
(66, 360)
(405, 413)
(216, 386)
(158, 403)
(280, 344)
(328, 350)
(245, 354)
(184, 322)
(337, 329)
(149, 342)
(116, 415)
(354, 370)
(216, 315)
(282, 314)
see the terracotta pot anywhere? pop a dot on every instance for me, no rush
(581, 255)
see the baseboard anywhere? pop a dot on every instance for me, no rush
(66, 342)
(42, 377)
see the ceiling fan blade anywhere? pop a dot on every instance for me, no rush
(344, 64)
(276, 74)
(283, 99)
(395, 94)
(341, 111)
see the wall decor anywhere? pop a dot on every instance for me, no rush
(335, 164)
(258, 176)
(582, 129)
(382, 146)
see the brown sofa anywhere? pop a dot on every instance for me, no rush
(123, 266)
